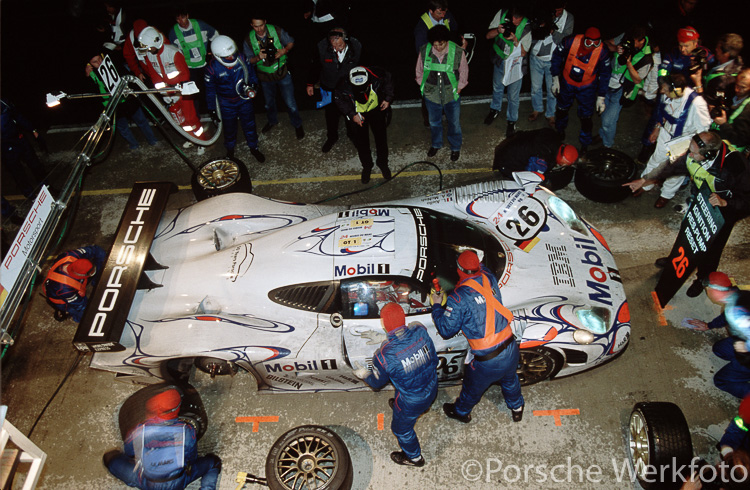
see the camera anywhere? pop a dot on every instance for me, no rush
(270, 49)
(628, 50)
(509, 27)
(541, 27)
(698, 60)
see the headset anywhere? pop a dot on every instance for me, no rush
(667, 79)
(707, 153)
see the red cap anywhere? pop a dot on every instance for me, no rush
(719, 281)
(138, 26)
(165, 405)
(567, 155)
(80, 268)
(393, 316)
(592, 33)
(744, 410)
(687, 34)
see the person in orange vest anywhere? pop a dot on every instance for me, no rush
(65, 285)
(475, 308)
(581, 69)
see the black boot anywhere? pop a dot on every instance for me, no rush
(366, 171)
(385, 171)
(511, 130)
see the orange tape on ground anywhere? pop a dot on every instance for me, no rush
(257, 420)
(557, 414)
(381, 421)
(659, 310)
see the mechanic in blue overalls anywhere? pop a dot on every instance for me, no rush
(475, 307)
(232, 79)
(66, 282)
(737, 434)
(407, 358)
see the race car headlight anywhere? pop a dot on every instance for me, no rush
(583, 337)
(566, 214)
(595, 320)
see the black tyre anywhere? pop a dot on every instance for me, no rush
(558, 177)
(659, 439)
(222, 176)
(537, 364)
(133, 410)
(603, 172)
(309, 457)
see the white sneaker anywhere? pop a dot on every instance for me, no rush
(201, 150)
(187, 144)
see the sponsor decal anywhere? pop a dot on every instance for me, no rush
(421, 245)
(350, 242)
(356, 213)
(314, 365)
(290, 382)
(598, 289)
(360, 269)
(242, 258)
(357, 223)
(559, 264)
(416, 360)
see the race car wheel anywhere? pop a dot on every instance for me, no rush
(603, 172)
(659, 438)
(309, 457)
(216, 367)
(133, 410)
(537, 364)
(558, 177)
(221, 176)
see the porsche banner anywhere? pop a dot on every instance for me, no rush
(107, 311)
(699, 227)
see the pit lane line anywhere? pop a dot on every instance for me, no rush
(299, 180)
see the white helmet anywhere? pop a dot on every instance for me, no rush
(224, 50)
(151, 38)
(358, 76)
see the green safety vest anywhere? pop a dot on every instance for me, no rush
(504, 51)
(372, 103)
(618, 68)
(446, 67)
(102, 88)
(187, 48)
(260, 66)
(698, 175)
(732, 117)
(428, 21)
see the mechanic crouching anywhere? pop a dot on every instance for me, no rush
(66, 282)
(475, 307)
(407, 358)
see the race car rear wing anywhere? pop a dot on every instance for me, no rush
(104, 319)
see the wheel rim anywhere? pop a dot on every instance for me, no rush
(216, 367)
(610, 166)
(307, 462)
(533, 367)
(219, 174)
(639, 448)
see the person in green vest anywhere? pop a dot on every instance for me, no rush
(267, 47)
(732, 122)
(193, 38)
(442, 73)
(128, 109)
(510, 33)
(629, 70)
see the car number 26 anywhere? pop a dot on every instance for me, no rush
(523, 220)
(450, 364)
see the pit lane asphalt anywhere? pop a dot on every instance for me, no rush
(588, 438)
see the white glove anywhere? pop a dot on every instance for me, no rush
(555, 86)
(374, 337)
(360, 371)
(600, 105)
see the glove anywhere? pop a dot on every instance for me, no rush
(555, 86)
(600, 105)
(694, 324)
(214, 117)
(374, 337)
(436, 297)
(360, 371)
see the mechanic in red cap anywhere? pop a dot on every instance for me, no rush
(66, 282)
(581, 68)
(475, 308)
(407, 358)
(533, 151)
(162, 451)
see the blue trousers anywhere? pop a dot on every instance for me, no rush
(541, 78)
(405, 415)
(734, 378)
(498, 90)
(478, 376)
(452, 112)
(207, 468)
(586, 98)
(610, 116)
(244, 111)
(139, 118)
(286, 88)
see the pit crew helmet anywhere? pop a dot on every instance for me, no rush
(225, 50)
(81, 268)
(165, 405)
(151, 38)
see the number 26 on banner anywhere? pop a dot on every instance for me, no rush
(680, 262)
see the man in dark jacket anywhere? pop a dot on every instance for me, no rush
(337, 55)
(407, 359)
(539, 150)
(365, 99)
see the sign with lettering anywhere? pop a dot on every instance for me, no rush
(699, 227)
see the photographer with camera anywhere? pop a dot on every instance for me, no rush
(690, 59)
(731, 113)
(548, 29)
(267, 47)
(629, 70)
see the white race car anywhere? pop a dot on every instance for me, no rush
(291, 292)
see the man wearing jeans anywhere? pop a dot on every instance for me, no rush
(442, 72)
(267, 47)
